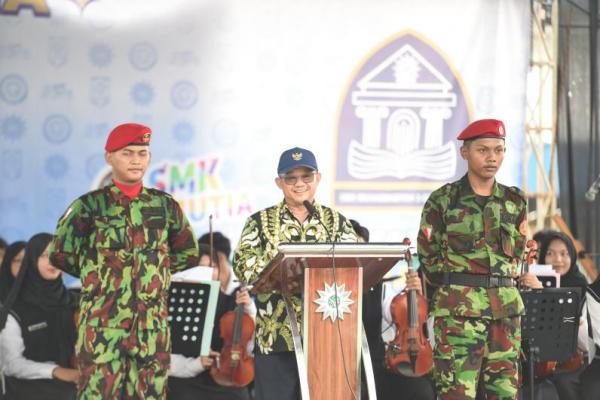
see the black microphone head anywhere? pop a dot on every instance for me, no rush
(311, 209)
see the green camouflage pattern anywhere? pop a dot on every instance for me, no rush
(472, 349)
(124, 252)
(462, 232)
(123, 364)
(261, 235)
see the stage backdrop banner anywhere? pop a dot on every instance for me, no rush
(378, 90)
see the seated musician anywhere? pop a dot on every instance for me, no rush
(380, 329)
(189, 378)
(37, 329)
(558, 250)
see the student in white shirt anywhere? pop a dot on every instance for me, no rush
(189, 378)
(37, 337)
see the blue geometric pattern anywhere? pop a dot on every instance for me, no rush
(143, 56)
(184, 95)
(100, 55)
(56, 166)
(13, 89)
(12, 128)
(142, 93)
(57, 128)
(183, 132)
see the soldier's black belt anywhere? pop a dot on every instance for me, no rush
(472, 280)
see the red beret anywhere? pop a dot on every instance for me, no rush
(488, 128)
(126, 134)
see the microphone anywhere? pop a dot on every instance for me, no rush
(591, 193)
(310, 208)
(313, 211)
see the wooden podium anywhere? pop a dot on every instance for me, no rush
(328, 352)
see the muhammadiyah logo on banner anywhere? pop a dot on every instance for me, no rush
(397, 126)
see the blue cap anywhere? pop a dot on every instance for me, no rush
(295, 158)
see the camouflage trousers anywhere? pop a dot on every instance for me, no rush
(472, 351)
(123, 364)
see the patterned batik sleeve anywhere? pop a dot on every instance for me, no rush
(70, 238)
(248, 258)
(347, 233)
(182, 242)
(430, 237)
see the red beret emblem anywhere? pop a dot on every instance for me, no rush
(483, 128)
(127, 134)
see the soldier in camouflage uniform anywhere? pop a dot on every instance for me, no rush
(471, 237)
(288, 221)
(124, 241)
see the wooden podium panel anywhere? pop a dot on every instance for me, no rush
(323, 343)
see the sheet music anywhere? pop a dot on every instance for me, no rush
(546, 274)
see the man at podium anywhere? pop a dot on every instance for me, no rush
(296, 219)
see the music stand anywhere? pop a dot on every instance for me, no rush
(549, 326)
(192, 307)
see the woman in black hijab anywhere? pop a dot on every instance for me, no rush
(38, 334)
(7, 276)
(559, 251)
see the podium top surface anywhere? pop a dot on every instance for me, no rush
(343, 249)
(285, 272)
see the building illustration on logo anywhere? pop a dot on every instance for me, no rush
(392, 113)
(397, 127)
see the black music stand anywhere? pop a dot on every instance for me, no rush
(549, 326)
(192, 307)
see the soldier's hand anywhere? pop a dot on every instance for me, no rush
(242, 297)
(66, 374)
(531, 281)
(413, 282)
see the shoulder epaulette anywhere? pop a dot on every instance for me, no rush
(93, 193)
(158, 192)
(516, 191)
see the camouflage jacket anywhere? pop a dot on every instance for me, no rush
(124, 251)
(262, 234)
(463, 232)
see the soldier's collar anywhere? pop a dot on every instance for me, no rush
(467, 190)
(118, 195)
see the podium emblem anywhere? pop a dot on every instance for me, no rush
(327, 301)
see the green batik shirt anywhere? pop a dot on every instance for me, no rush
(262, 234)
(463, 232)
(124, 251)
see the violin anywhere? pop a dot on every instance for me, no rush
(410, 352)
(529, 258)
(234, 366)
(548, 368)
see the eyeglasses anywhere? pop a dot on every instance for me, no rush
(293, 179)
